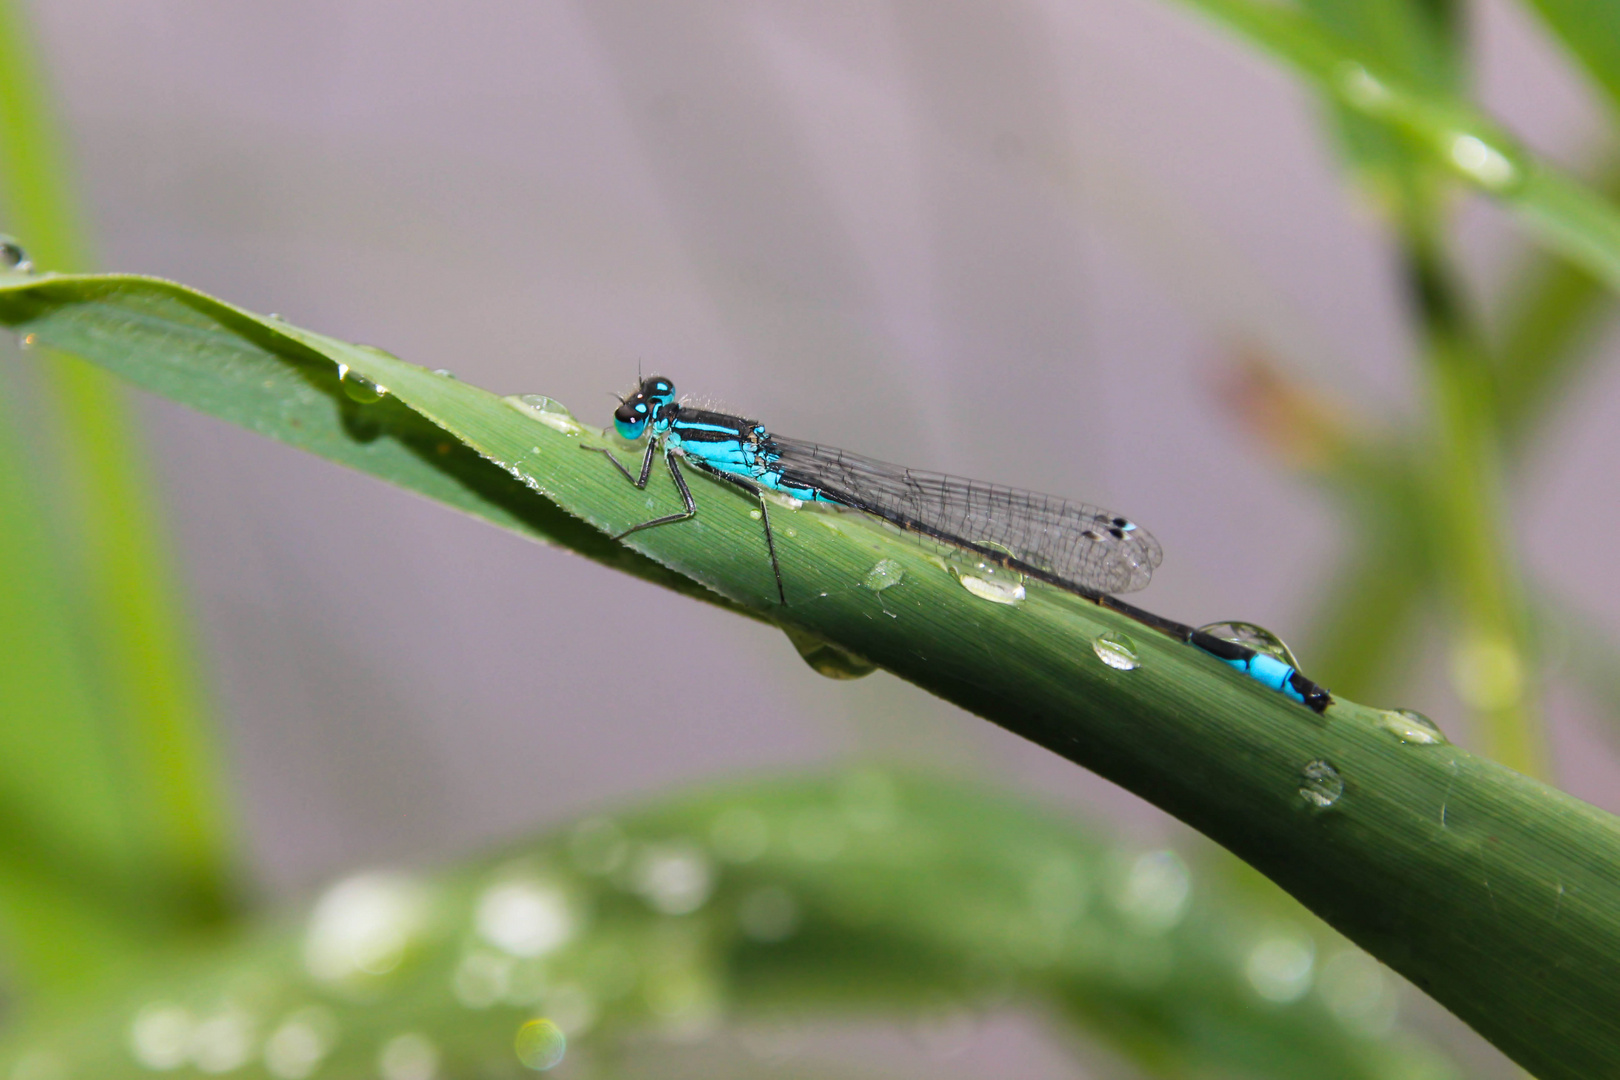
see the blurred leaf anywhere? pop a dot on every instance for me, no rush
(1451, 135)
(1554, 310)
(1590, 30)
(128, 784)
(763, 908)
(1457, 872)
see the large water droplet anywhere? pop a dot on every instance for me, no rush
(1360, 88)
(540, 1045)
(408, 1057)
(986, 578)
(300, 1042)
(1279, 967)
(674, 878)
(1358, 991)
(1252, 636)
(222, 1042)
(828, 659)
(1116, 650)
(525, 917)
(13, 256)
(1320, 784)
(358, 388)
(1410, 726)
(549, 411)
(160, 1036)
(363, 925)
(885, 574)
(1483, 162)
(1155, 891)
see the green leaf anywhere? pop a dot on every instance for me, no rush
(1457, 872)
(1450, 134)
(1590, 30)
(103, 702)
(759, 907)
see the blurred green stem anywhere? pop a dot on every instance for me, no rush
(150, 717)
(1491, 668)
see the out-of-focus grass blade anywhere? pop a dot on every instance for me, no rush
(1590, 30)
(1553, 312)
(760, 908)
(1452, 135)
(1344, 810)
(147, 740)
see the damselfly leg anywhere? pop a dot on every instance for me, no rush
(641, 484)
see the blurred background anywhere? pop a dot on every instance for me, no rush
(1036, 242)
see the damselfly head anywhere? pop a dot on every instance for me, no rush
(635, 412)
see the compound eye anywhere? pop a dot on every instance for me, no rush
(658, 386)
(631, 418)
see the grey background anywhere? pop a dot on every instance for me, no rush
(1011, 239)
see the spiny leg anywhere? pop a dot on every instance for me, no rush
(646, 462)
(680, 484)
(770, 546)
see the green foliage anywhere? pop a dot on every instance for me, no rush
(1495, 894)
(759, 908)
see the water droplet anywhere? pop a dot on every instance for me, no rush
(363, 925)
(1356, 989)
(1411, 726)
(297, 1046)
(1252, 636)
(986, 578)
(1487, 672)
(13, 256)
(160, 1036)
(549, 411)
(674, 878)
(885, 574)
(1482, 162)
(1320, 784)
(598, 845)
(1360, 88)
(28, 341)
(408, 1057)
(828, 659)
(739, 834)
(358, 388)
(1155, 891)
(540, 1045)
(222, 1042)
(446, 373)
(277, 316)
(1116, 650)
(755, 514)
(1280, 966)
(768, 914)
(525, 918)
(784, 500)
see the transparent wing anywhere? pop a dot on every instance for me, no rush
(1086, 545)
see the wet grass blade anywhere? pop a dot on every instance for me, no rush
(758, 907)
(1459, 873)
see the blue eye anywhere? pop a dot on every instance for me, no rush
(630, 429)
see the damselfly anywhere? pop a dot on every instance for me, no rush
(1083, 549)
